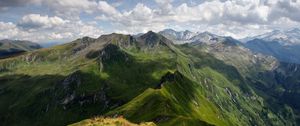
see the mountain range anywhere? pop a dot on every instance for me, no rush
(289, 37)
(14, 47)
(283, 45)
(205, 80)
(180, 37)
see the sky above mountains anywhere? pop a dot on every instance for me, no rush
(65, 20)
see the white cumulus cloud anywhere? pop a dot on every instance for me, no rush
(35, 21)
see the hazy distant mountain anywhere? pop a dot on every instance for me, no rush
(186, 36)
(284, 45)
(233, 52)
(289, 37)
(209, 38)
(178, 37)
(227, 49)
(14, 47)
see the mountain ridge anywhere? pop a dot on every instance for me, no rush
(165, 83)
(15, 47)
(284, 45)
(286, 38)
(186, 36)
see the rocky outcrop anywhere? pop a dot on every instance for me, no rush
(108, 55)
(169, 77)
(82, 44)
(152, 39)
(70, 96)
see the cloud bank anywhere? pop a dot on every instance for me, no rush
(67, 19)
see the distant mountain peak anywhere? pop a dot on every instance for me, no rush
(151, 33)
(187, 31)
(210, 38)
(180, 37)
(177, 36)
(289, 37)
(151, 39)
(169, 30)
(118, 39)
(206, 33)
(284, 45)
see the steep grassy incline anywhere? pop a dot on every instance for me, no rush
(143, 79)
(202, 91)
(275, 82)
(174, 102)
(234, 95)
(281, 89)
(78, 80)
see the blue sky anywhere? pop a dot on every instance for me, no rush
(65, 20)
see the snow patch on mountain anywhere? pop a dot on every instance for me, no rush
(290, 37)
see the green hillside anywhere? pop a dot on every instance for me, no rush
(144, 79)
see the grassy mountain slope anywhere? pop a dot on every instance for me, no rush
(144, 79)
(78, 80)
(280, 88)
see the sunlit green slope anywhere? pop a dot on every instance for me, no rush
(144, 79)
